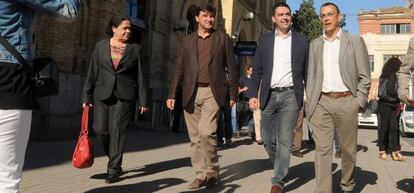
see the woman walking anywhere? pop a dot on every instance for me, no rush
(388, 134)
(114, 84)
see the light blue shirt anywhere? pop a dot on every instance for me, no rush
(17, 18)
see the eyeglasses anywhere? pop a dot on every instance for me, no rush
(327, 15)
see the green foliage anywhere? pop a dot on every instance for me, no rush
(306, 20)
(342, 23)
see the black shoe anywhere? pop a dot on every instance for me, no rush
(259, 142)
(112, 178)
(297, 153)
(229, 143)
(211, 182)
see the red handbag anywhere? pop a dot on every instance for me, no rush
(83, 154)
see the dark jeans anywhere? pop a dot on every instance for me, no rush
(224, 128)
(278, 121)
(388, 134)
(111, 119)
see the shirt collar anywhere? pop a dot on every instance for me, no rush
(338, 35)
(288, 35)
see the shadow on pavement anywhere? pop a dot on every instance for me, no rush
(236, 172)
(301, 174)
(60, 152)
(406, 185)
(150, 169)
(146, 186)
(407, 153)
(363, 178)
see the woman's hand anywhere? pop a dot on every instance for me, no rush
(143, 109)
(84, 105)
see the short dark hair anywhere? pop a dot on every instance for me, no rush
(331, 4)
(280, 4)
(248, 66)
(206, 7)
(115, 21)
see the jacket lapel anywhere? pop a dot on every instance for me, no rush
(194, 52)
(342, 48)
(126, 53)
(270, 53)
(107, 54)
(319, 57)
(292, 50)
(215, 39)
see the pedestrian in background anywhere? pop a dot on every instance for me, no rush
(16, 100)
(336, 89)
(280, 65)
(388, 111)
(205, 66)
(114, 84)
(244, 114)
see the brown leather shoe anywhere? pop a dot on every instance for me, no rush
(196, 184)
(276, 189)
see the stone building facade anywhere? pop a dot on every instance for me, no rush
(158, 26)
(386, 33)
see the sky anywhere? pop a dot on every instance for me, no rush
(351, 8)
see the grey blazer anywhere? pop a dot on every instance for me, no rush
(404, 72)
(353, 65)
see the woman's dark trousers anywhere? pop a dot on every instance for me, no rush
(111, 120)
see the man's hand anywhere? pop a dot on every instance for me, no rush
(409, 100)
(253, 104)
(84, 105)
(232, 103)
(244, 89)
(170, 104)
(143, 109)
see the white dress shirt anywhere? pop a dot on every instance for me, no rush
(282, 67)
(332, 80)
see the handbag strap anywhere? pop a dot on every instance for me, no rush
(6, 44)
(85, 120)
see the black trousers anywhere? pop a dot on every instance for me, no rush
(388, 134)
(111, 120)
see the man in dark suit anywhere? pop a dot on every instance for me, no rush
(280, 63)
(203, 63)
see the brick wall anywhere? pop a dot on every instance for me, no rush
(374, 25)
(71, 43)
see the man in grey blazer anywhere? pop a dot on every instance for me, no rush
(404, 74)
(337, 87)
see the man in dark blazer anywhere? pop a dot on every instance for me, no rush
(280, 63)
(204, 61)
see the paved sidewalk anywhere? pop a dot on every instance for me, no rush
(159, 162)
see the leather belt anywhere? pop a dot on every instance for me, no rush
(202, 84)
(337, 94)
(281, 89)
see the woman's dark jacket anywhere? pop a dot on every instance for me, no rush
(127, 82)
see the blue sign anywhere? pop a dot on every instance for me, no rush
(246, 48)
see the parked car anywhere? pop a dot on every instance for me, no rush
(368, 117)
(406, 120)
(367, 120)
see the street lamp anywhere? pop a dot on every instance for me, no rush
(246, 17)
